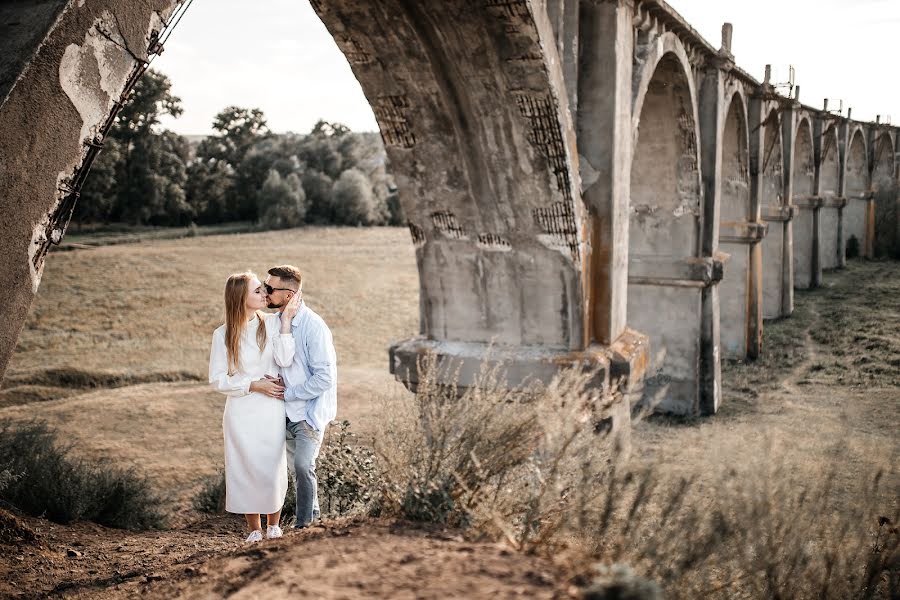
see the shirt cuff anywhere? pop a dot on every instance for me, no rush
(289, 394)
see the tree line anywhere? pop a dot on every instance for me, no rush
(146, 175)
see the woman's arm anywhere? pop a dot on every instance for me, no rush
(231, 385)
(282, 343)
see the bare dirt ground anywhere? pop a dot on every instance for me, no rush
(118, 336)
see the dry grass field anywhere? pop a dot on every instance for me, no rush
(114, 353)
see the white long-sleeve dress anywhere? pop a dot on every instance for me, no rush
(253, 424)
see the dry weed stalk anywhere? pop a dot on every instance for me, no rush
(536, 470)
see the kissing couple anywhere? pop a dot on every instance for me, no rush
(279, 374)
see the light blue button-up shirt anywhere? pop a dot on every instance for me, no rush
(311, 379)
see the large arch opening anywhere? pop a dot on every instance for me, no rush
(885, 189)
(734, 215)
(483, 155)
(664, 237)
(829, 190)
(856, 179)
(806, 220)
(773, 202)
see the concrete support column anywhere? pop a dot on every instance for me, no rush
(788, 127)
(605, 150)
(712, 117)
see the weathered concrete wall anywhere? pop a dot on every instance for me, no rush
(829, 181)
(885, 190)
(735, 216)
(856, 178)
(23, 26)
(60, 99)
(664, 231)
(806, 223)
(776, 212)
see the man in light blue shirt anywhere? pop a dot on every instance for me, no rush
(310, 387)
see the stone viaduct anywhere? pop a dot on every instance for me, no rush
(586, 181)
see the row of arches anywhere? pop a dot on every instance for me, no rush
(789, 194)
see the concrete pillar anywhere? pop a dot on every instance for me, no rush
(712, 118)
(605, 149)
(788, 128)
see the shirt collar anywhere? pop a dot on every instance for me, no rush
(296, 320)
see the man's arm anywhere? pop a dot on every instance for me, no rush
(322, 363)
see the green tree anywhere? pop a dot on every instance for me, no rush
(318, 187)
(208, 184)
(282, 202)
(353, 200)
(238, 130)
(140, 175)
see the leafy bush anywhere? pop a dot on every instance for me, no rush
(53, 484)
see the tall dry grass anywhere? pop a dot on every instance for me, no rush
(535, 468)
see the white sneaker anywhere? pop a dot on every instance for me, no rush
(273, 531)
(255, 536)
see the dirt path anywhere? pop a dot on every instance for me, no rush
(349, 559)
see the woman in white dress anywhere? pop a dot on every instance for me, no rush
(243, 365)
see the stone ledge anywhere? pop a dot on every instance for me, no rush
(677, 272)
(808, 202)
(742, 232)
(834, 202)
(778, 213)
(463, 362)
(865, 196)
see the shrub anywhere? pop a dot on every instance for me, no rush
(532, 470)
(211, 497)
(484, 457)
(53, 484)
(346, 475)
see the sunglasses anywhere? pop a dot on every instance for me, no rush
(270, 289)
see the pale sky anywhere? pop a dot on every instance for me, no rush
(276, 55)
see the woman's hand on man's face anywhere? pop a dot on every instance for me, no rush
(289, 312)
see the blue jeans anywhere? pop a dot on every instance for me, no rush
(303, 444)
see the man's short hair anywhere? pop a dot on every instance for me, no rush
(287, 273)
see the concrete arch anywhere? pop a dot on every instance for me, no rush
(829, 164)
(882, 159)
(774, 207)
(664, 229)
(772, 166)
(856, 184)
(666, 45)
(884, 186)
(665, 180)
(481, 144)
(804, 160)
(735, 204)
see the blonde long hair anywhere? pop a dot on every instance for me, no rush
(236, 316)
